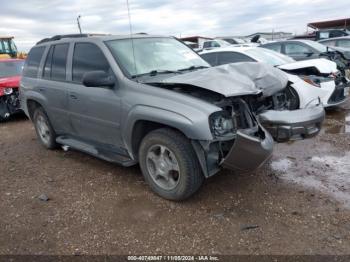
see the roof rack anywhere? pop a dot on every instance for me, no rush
(59, 37)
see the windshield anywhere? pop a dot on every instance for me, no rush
(7, 46)
(11, 68)
(269, 56)
(153, 54)
(319, 47)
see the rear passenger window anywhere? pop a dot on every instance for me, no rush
(277, 48)
(48, 63)
(86, 58)
(55, 65)
(59, 61)
(296, 49)
(31, 66)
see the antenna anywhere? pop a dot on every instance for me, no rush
(78, 21)
(131, 36)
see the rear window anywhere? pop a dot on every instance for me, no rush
(210, 58)
(232, 57)
(33, 61)
(11, 68)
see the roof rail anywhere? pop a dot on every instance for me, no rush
(59, 37)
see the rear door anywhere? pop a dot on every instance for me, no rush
(94, 111)
(53, 85)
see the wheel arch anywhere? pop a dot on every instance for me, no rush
(31, 106)
(143, 119)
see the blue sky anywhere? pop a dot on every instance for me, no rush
(31, 20)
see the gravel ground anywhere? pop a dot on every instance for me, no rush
(56, 202)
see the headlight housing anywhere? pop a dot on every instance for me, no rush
(316, 80)
(222, 124)
(8, 91)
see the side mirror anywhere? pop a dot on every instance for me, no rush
(98, 79)
(308, 54)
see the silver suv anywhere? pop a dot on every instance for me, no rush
(152, 100)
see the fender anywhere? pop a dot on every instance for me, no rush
(197, 129)
(35, 96)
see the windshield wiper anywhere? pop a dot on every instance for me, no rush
(192, 68)
(156, 72)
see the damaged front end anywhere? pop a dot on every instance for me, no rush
(9, 102)
(240, 143)
(257, 107)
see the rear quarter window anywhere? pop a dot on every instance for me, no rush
(31, 66)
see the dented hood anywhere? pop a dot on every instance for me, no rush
(324, 66)
(234, 79)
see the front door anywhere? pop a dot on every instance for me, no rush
(94, 111)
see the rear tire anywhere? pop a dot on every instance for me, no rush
(169, 164)
(43, 128)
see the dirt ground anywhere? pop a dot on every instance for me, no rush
(298, 203)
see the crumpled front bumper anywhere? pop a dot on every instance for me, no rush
(249, 152)
(295, 124)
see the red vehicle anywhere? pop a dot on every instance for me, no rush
(10, 75)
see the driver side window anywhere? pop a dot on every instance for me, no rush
(88, 57)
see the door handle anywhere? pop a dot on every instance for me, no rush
(73, 96)
(41, 89)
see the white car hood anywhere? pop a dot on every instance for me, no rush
(324, 66)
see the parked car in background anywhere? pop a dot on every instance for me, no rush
(163, 107)
(210, 44)
(310, 80)
(10, 74)
(307, 49)
(233, 40)
(342, 42)
(330, 33)
(323, 34)
(191, 45)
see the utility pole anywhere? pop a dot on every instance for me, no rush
(78, 20)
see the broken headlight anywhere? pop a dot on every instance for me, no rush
(316, 80)
(222, 124)
(8, 91)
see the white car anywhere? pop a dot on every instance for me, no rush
(216, 43)
(311, 80)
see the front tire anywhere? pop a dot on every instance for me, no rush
(43, 128)
(169, 164)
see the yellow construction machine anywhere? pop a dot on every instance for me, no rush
(8, 48)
